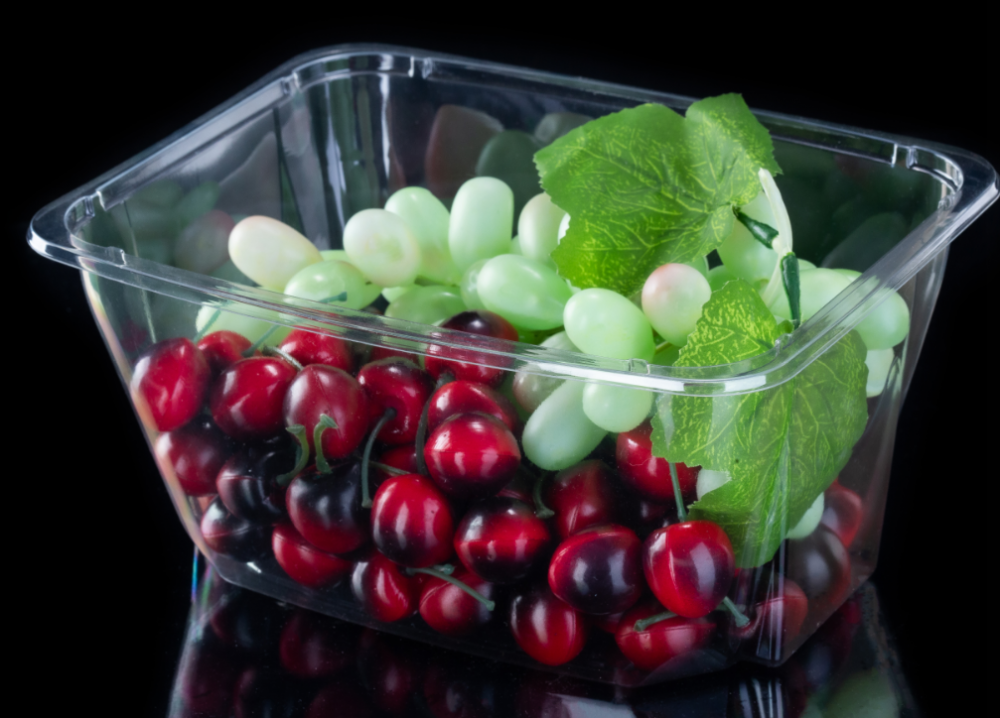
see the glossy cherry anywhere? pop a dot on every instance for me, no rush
(412, 522)
(689, 566)
(303, 562)
(247, 399)
(468, 363)
(547, 629)
(842, 512)
(462, 396)
(248, 482)
(502, 540)
(326, 508)
(662, 641)
(223, 348)
(386, 592)
(472, 456)
(171, 379)
(378, 353)
(456, 689)
(399, 385)
(402, 457)
(820, 565)
(248, 622)
(582, 496)
(230, 535)
(775, 620)
(449, 610)
(341, 697)
(315, 646)
(598, 570)
(521, 487)
(311, 347)
(647, 474)
(320, 390)
(389, 672)
(207, 678)
(195, 452)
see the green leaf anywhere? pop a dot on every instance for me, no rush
(646, 186)
(782, 446)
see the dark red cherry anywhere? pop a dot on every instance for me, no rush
(170, 379)
(378, 353)
(248, 482)
(263, 691)
(338, 699)
(547, 629)
(411, 521)
(195, 452)
(381, 587)
(608, 623)
(389, 671)
(521, 487)
(320, 390)
(223, 348)
(247, 398)
(775, 620)
(403, 458)
(842, 512)
(820, 565)
(449, 610)
(315, 646)
(663, 640)
(647, 474)
(207, 678)
(230, 535)
(501, 540)
(250, 623)
(303, 562)
(689, 566)
(462, 397)
(453, 688)
(582, 496)
(471, 456)
(468, 363)
(399, 385)
(326, 508)
(311, 347)
(598, 570)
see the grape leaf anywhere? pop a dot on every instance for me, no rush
(646, 186)
(782, 446)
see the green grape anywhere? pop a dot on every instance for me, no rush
(529, 389)
(252, 327)
(851, 274)
(809, 521)
(427, 305)
(816, 288)
(607, 324)
(481, 219)
(718, 276)
(515, 246)
(559, 434)
(805, 265)
(380, 244)
(525, 292)
(393, 293)
(701, 264)
(270, 252)
(509, 156)
(879, 362)
(554, 125)
(164, 194)
(337, 254)
(197, 202)
(667, 356)
(319, 282)
(616, 408)
(743, 255)
(229, 272)
(428, 220)
(469, 286)
(672, 299)
(538, 228)
(887, 325)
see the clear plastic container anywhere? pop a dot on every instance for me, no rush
(337, 131)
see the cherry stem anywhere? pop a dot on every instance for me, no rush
(274, 351)
(325, 422)
(421, 439)
(490, 605)
(682, 513)
(541, 510)
(366, 498)
(248, 352)
(738, 615)
(388, 469)
(301, 454)
(655, 618)
(208, 325)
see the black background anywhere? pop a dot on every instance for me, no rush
(100, 561)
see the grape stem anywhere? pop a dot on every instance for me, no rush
(790, 278)
(682, 513)
(421, 438)
(738, 615)
(366, 499)
(248, 352)
(208, 325)
(763, 233)
(437, 573)
(541, 510)
(325, 422)
(301, 454)
(655, 618)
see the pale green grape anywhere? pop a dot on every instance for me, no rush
(515, 246)
(428, 220)
(525, 292)
(197, 202)
(667, 356)
(538, 227)
(251, 327)
(607, 324)
(616, 408)
(743, 255)
(879, 361)
(530, 390)
(338, 254)
(709, 480)
(805, 265)
(809, 521)
(887, 325)
(559, 433)
(427, 305)
(393, 293)
(319, 282)
(718, 276)
(672, 299)
(482, 215)
(381, 245)
(816, 288)
(270, 252)
(701, 264)
(469, 286)
(203, 245)
(563, 228)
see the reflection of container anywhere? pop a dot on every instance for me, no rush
(337, 131)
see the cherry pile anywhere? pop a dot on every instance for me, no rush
(410, 484)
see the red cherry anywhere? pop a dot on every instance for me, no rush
(386, 593)
(662, 641)
(599, 570)
(501, 540)
(389, 672)
(647, 474)
(775, 621)
(305, 563)
(449, 610)
(689, 566)
(467, 363)
(247, 398)
(461, 397)
(314, 646)
(842, 512)
(472, 456)
(207, 679)
(403, 458)
(399, 385)
(223, 348)
(521, 487)
(338, 699)
(820, 565)
(378, 353)
(582, 496)
(326, 509)
(171, 379)
(545, 628)
(319, 390)
(195, 452)
(311, 347)
(411, 521)
(608, 623)
(230, 535)
(247, 482)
